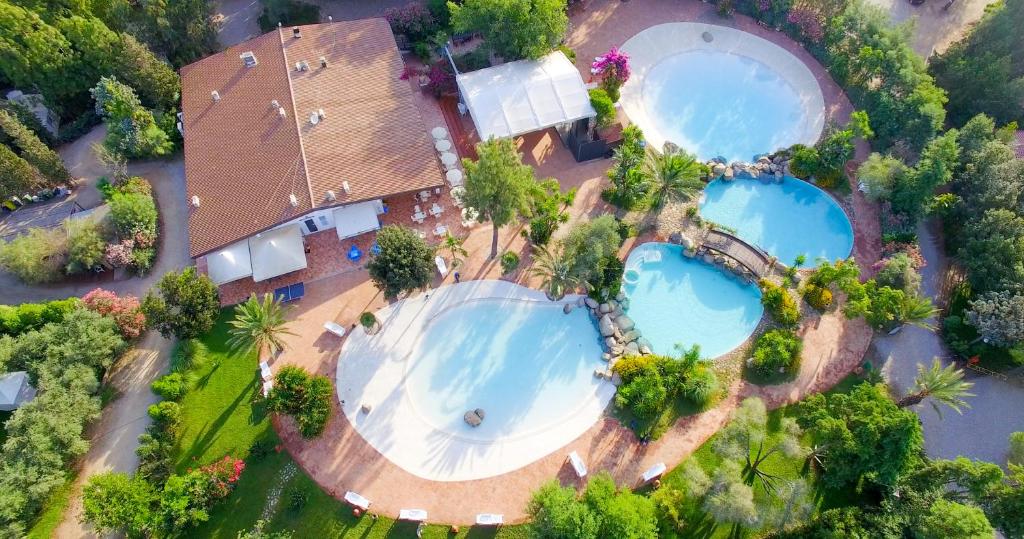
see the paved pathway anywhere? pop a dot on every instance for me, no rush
(936, 28)
(997, 409)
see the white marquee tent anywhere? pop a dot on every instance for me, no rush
(276, 252)
(356, 219)
(230, 263)
(525, 96)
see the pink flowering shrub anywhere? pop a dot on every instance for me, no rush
(439, 80)
(125, 311)
(413, 20)
(223, 475)
(120, 254)
(613, 69)
(809, 21)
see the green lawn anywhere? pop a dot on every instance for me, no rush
(53, 511)
(220, 418)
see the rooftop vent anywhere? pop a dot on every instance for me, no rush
(274, 104)
(293, 200)
(296, 32)
(248, 58)
(331, 197)
(344, 185)
(195, 201)
(281, 112)
(302, 66)
(314, 118)
(321, 113)
(215, 95)
(323, 62)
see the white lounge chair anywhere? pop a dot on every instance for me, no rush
(357, 500)
(490, 519)
(577, 464)
(653, 472)
(265, 372)
(414, 515)
(335, 328)
(442, 268)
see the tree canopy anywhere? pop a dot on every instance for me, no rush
(513, 29)
(498, 185)
(405, 262)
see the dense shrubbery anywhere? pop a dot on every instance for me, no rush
(132, 130)
(779, 303)
(776, 352)
(183, 304)
(38, 256)
(509, 262)
(306, 398)
(603, 510)
(15, 320)
(651, 384)
(513, 30)
(287, 13)
(818, 297)
(629, 185)
(604, 106)
(125, 311)
(405, 262)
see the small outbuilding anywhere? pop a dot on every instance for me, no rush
(15, 390)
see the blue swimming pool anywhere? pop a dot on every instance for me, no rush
(525, 363)
(674, 299)
(786, 219)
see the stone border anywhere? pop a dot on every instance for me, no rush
(651, 46)
(373, 369)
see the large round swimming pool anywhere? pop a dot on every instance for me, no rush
(719, 92)
(525, 363)
(678, 300)
(787, 219)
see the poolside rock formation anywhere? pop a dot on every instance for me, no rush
(767, 168)
(474, 417)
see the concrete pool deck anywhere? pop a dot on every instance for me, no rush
(375, 370)
(342, 460)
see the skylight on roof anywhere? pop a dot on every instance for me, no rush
(248, 58)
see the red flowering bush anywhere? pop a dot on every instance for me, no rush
(912, 250)
(809, 21)
(125, 311)
(613, 69)
(413, 20)
(439, 80)
(223, 475)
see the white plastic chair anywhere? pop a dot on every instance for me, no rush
(334, 328)
(357, 500)
(490, 519)
(577, 464)
(414, 515)
(653, 472)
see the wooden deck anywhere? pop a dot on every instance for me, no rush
(747, 255)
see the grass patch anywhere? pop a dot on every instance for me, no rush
(221, 416)
(53, 511)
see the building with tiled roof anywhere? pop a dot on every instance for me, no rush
(294, 129)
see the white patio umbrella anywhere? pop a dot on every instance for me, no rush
(442, 145)
(454, 177)
(448, 158)
(439, 132)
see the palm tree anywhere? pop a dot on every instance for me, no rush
(918, 311)
(672, 173)
(944, 385)
(259, 324)
(557, 272)
(454, 247)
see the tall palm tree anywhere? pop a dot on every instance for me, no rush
(258, 325)
(673, 173)
(918, 311)
(944, 385)
(557, 272)
(453, 245)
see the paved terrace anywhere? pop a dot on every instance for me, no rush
(341, 460)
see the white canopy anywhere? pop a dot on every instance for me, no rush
(230, 263)
(355, 219)
(15, 390)
(276, 252)
(525, 96)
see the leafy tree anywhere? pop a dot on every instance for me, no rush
(38, 256)
(946, 519)
(16, 176)
(86, 244)
(992, 250)
(512, 28)
(259, 324)
(156, 83)
(133, 213)
(456, 252)
(777, 351)
(556, 513)
(898, 273)
(114, 501)
(938, 160)
(745, 440)
(589, 244)
(998, 317)
(498, 185)
(45, 160)
(185, 304)
(131, 129)
(405, 261)
(881, 174)
(36, 55)
(621, 512)
(629, 184)
(885, 308)
(864, 436)
(672, 174)
(645, 393)
(557, 271)
(944, 385)
(730, 500)
(547, 209)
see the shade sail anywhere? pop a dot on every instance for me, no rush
(276, 252)
(230, 263)
(356, 219)
(525, 96)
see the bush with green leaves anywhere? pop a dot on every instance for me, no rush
(818, 297)
(898, 272)
(603, 510)
(171, 386)
(776, 352)
(405, 261)
(131, 129)
(513, 30)
(629, 184)
(651, 383)
(15, 320)
(184, 304)
(779, 303)
(603, 105)
(87, 244)
(306, 398)
(608, 283)
(119, 502)
(509, 262)
(38, 256)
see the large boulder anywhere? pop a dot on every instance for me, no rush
(610, 342)
(567, 308)
(625, 323)
(604, 308)
(729, 175)
(718, 170)
(631, 335)
(591, 302)
(605, 326)
(632, 349)
(474, 417)
(689, 253)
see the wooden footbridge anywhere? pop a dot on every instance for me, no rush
(745, 254)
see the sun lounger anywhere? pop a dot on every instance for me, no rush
(334, 328)
(653, 472)
(267, 386)
(357, 500)
(265, 372)
(414, 515)
(442, 268)
(577, 464)
(490, 519)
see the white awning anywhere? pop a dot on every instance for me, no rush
(356, 219)
(525, 96)
(276, 252)
(230, 263)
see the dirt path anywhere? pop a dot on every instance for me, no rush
(936, 28)
(115, 435)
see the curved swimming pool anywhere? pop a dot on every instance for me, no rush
(678, 300)
(527, 364)
(785, 219)
(719, 92)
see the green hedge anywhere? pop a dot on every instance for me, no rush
(15, 320)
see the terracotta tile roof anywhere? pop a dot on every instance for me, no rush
(243, 160)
